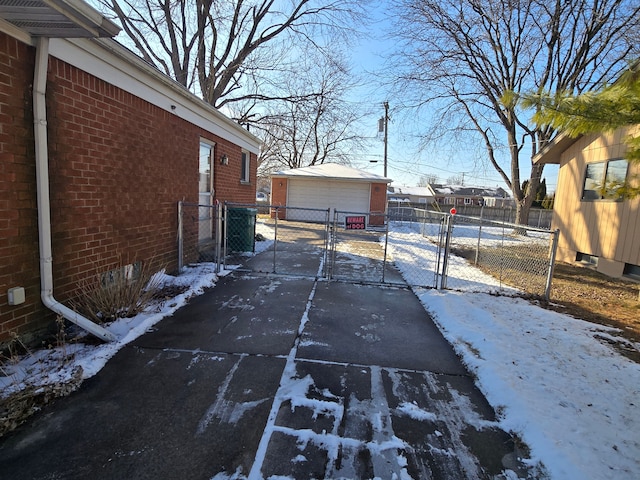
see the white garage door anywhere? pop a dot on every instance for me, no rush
(336, 195)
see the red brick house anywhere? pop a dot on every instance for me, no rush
(96, 149)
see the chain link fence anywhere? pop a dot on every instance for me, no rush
(476, 254)
(511, 256)
(417, 243)
(421, 248)
(199, 234)
(538, 217)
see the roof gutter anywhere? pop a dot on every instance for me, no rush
(44, 205)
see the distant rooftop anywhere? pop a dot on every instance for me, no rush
(496, 192)
(332, 171)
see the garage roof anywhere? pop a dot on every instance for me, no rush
(332, 171)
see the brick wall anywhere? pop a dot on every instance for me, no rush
(226, 178)
(118, 166)
(19, 257)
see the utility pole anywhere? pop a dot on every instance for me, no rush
(386, 123)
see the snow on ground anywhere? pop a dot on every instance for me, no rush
(569, 395)
(552, 379)
(47, 367)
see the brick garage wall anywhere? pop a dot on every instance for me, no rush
(378, 203)
(118, 166)
(19, 256)
(279, 196)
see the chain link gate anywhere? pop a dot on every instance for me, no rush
(199, 235)
(300, 239)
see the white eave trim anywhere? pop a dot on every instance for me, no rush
(552, 152)
(15, 32)
(111, 62)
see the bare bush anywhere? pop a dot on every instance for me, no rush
(119, 293)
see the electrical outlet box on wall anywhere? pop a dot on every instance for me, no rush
(16, 295)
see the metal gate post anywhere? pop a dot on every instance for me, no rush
(447, 245)
(552, 263)
(334, 241)
(327, 243)
(479, 235)
(219, 237)
(180, 237)
(436, 273)
(386, 242)
(275, 238)
(224, 236)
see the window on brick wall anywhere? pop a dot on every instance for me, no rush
(246, 167)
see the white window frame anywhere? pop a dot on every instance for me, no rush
(245, 168)
(600, 182)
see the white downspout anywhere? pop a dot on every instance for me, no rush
(42, 184)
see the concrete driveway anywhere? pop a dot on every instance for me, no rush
(274, 377)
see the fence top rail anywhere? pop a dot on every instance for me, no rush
(378, 214)
(487, 221)
(190, 204)
(275, 207)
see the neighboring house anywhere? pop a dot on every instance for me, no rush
(459, 195)
(96, 150)
(328, 186)
(413, 195)
(597, 227)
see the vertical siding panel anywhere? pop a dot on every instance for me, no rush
(632, 235)
(627, 227)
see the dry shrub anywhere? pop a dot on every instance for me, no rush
(25, 394)
(118, 293)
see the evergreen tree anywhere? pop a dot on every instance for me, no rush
(547, 203)
(614, 106)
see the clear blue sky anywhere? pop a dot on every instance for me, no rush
(406, 162)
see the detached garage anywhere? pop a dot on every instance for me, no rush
(328, 186)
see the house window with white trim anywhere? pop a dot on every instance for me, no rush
(468, 201)
(245, 175)
(605, 180)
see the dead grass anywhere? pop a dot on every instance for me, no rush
(591, 296)
(580, 292)
(594, 297)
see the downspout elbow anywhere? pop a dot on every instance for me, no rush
(74, 317)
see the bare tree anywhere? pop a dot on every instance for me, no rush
(317, 128)
(460, 57)
(230, 51)
(426, 180)
(455, 180)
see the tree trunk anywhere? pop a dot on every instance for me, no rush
(523, 208)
